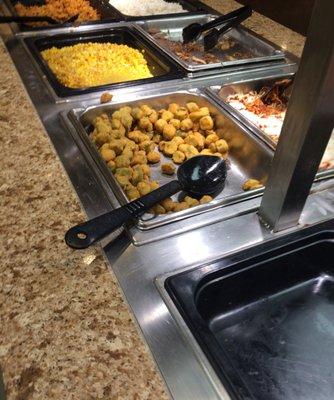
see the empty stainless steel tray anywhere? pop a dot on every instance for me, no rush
(248, 156)
(263, 317)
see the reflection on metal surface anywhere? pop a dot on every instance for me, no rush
(159, 313)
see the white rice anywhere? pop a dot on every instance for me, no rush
(146, 7)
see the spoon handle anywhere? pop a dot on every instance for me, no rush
(83, 235)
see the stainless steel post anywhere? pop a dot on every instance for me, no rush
(307, 127)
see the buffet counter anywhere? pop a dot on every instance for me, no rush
(66, 331)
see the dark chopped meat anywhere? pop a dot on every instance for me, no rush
(194, 51)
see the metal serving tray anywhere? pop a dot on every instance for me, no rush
(248, 156)
(191, 7)
(107, 14)
(220, 94)
(261, 50)
(233, 306)
(162, 67)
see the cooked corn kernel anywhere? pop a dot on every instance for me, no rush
(94, 64)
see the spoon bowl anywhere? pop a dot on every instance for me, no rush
(202, 175)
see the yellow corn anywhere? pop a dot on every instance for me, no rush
(94, 64)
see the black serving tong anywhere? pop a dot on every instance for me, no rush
(212, 38)
(8, 19)
(280, 91)
(193, 31)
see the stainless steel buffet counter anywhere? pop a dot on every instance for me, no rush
(144, 257)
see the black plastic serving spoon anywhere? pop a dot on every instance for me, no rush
(198, 176)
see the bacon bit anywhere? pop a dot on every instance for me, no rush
(325, 165)
(198, 60)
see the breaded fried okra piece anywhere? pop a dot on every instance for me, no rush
(251, 184)
(144, 188)
(205, 199)
(222, 146)
(191, 201)
(167, 115)
(168, 168)
(179, 157)
(181, 206)
(173, 107)
(159, 125)
(153, 157)
(107, 154)
(188, 150)
(191, 106)
(154, 185)
(206, 123)
(186, 124)
(168, 132)
(168, 204)
(122, 161)
(170, 148)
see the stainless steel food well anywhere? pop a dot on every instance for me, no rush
(248, 156)
(259, 49)
(220, 94)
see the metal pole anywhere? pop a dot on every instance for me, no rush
(307, 127)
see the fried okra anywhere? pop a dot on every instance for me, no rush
(153, 157)
(144, 188)
(252, 184)
(189, 150)
(107, 154)
(181, 206)
(169, 148)
(132, 193)
(131, 139)
(154, 185)
(191, 201)
(168, 204)
(122, 161)
(206, 123)
(158, 209)
(168, 168)
(173, 107)
(179, 157)
(168, 132)
(222, 146)
(205, 199)
(191, 106)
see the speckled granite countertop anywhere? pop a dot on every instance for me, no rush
(65, 332)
